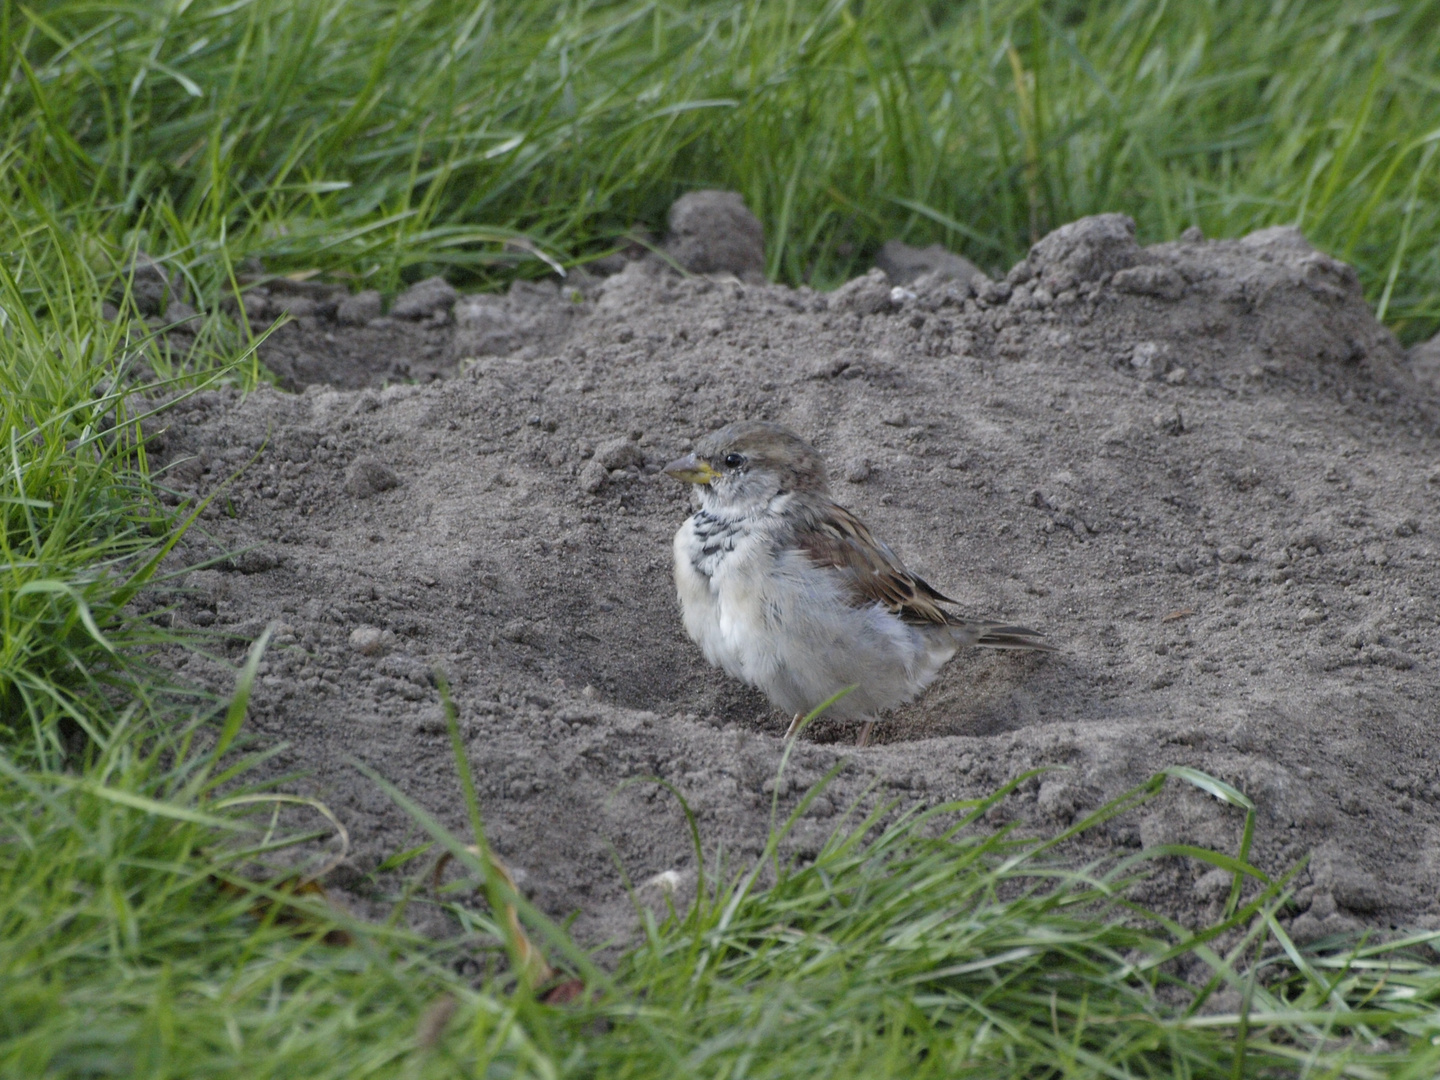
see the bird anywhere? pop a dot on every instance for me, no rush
(788, 591)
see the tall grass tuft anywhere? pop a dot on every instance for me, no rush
(381, 140)
(80, 534)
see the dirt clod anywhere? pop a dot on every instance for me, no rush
(904, 264)
(369, 640)
(619, 454)
(1424, 363)
(424, 299)
(368, 476)
(359, 309)
(714, 232)
(868, 295)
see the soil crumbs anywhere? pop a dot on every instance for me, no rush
(1201, 468)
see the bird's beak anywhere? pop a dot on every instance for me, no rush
(691, 470)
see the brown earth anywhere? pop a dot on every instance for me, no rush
(1201, 467)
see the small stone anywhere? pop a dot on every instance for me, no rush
(424, 299)
(1176, 376)
(858, 471)
(359, 309)
(368, 476)
(1310, 617)
(619, 454)
(667, 881)
(368, 640)
(593, 477)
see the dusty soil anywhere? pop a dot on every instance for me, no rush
(1201, 467)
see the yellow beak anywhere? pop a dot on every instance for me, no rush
(691, 470)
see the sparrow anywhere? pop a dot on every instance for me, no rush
(785, 589)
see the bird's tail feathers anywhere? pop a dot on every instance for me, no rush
(990, 636)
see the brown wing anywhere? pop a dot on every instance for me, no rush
(832, 536)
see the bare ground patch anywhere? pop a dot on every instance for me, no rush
(1202, 468)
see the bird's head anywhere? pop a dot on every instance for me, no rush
(741, 467)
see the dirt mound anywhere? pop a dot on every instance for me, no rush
(1202, 468)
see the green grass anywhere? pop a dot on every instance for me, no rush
(133, 943)
(79, 534)
(141, 933)
(383, 139)
(83, 528)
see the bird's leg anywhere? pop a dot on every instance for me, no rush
(794, 726)
(866, 730)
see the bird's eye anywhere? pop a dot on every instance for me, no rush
(734, 461)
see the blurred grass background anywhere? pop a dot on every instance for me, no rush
(386, 139)
(377, 141)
